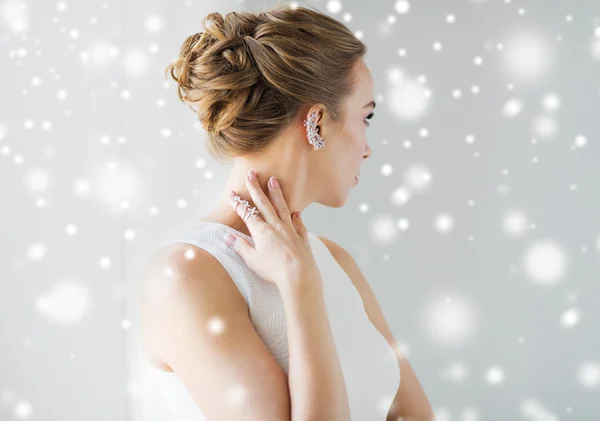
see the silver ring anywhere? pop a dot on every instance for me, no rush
(253, 212)
(237, 199)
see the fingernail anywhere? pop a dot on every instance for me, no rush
(251, 175)
(229, 239)
(273, 182)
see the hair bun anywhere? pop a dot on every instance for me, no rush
(214, 64)
(248, 75)
(213, 25)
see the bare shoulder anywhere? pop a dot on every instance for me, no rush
(182, 268)
(196, 322)
(180, 277)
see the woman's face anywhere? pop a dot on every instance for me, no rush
(346, 147)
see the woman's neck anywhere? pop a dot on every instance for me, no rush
(288, 165)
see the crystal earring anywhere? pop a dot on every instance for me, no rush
(311, 132)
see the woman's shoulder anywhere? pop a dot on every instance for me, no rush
(181, 276)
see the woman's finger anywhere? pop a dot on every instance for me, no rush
(299, 226)
(261, 201)
(243, 209)
(241, 247)
(278, 201)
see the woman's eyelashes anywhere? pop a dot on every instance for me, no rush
(370, 116)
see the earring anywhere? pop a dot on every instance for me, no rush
(311, 132)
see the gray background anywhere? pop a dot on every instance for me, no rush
(498, 314)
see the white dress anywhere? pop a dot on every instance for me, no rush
(368, 362)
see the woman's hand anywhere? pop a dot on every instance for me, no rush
(281, 252)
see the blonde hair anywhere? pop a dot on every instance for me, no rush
(248, 75)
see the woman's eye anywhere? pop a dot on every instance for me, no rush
(370, 116)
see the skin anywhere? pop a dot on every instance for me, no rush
(410, 402)
(305, 174)
(326, 176)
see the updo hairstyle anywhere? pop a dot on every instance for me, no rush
(248, 75)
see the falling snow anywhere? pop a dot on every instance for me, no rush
(478, 206)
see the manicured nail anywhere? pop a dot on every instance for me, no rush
(273, 182)
(251, 175)
(229, 239)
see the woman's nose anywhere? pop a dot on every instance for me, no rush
(367, 152)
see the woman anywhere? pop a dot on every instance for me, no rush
(258, 318)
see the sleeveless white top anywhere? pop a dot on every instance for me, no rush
(368, 362)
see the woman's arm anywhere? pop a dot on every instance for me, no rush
(410, 402)
(316, 382)
(228, 371)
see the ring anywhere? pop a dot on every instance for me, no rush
(253, 211)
